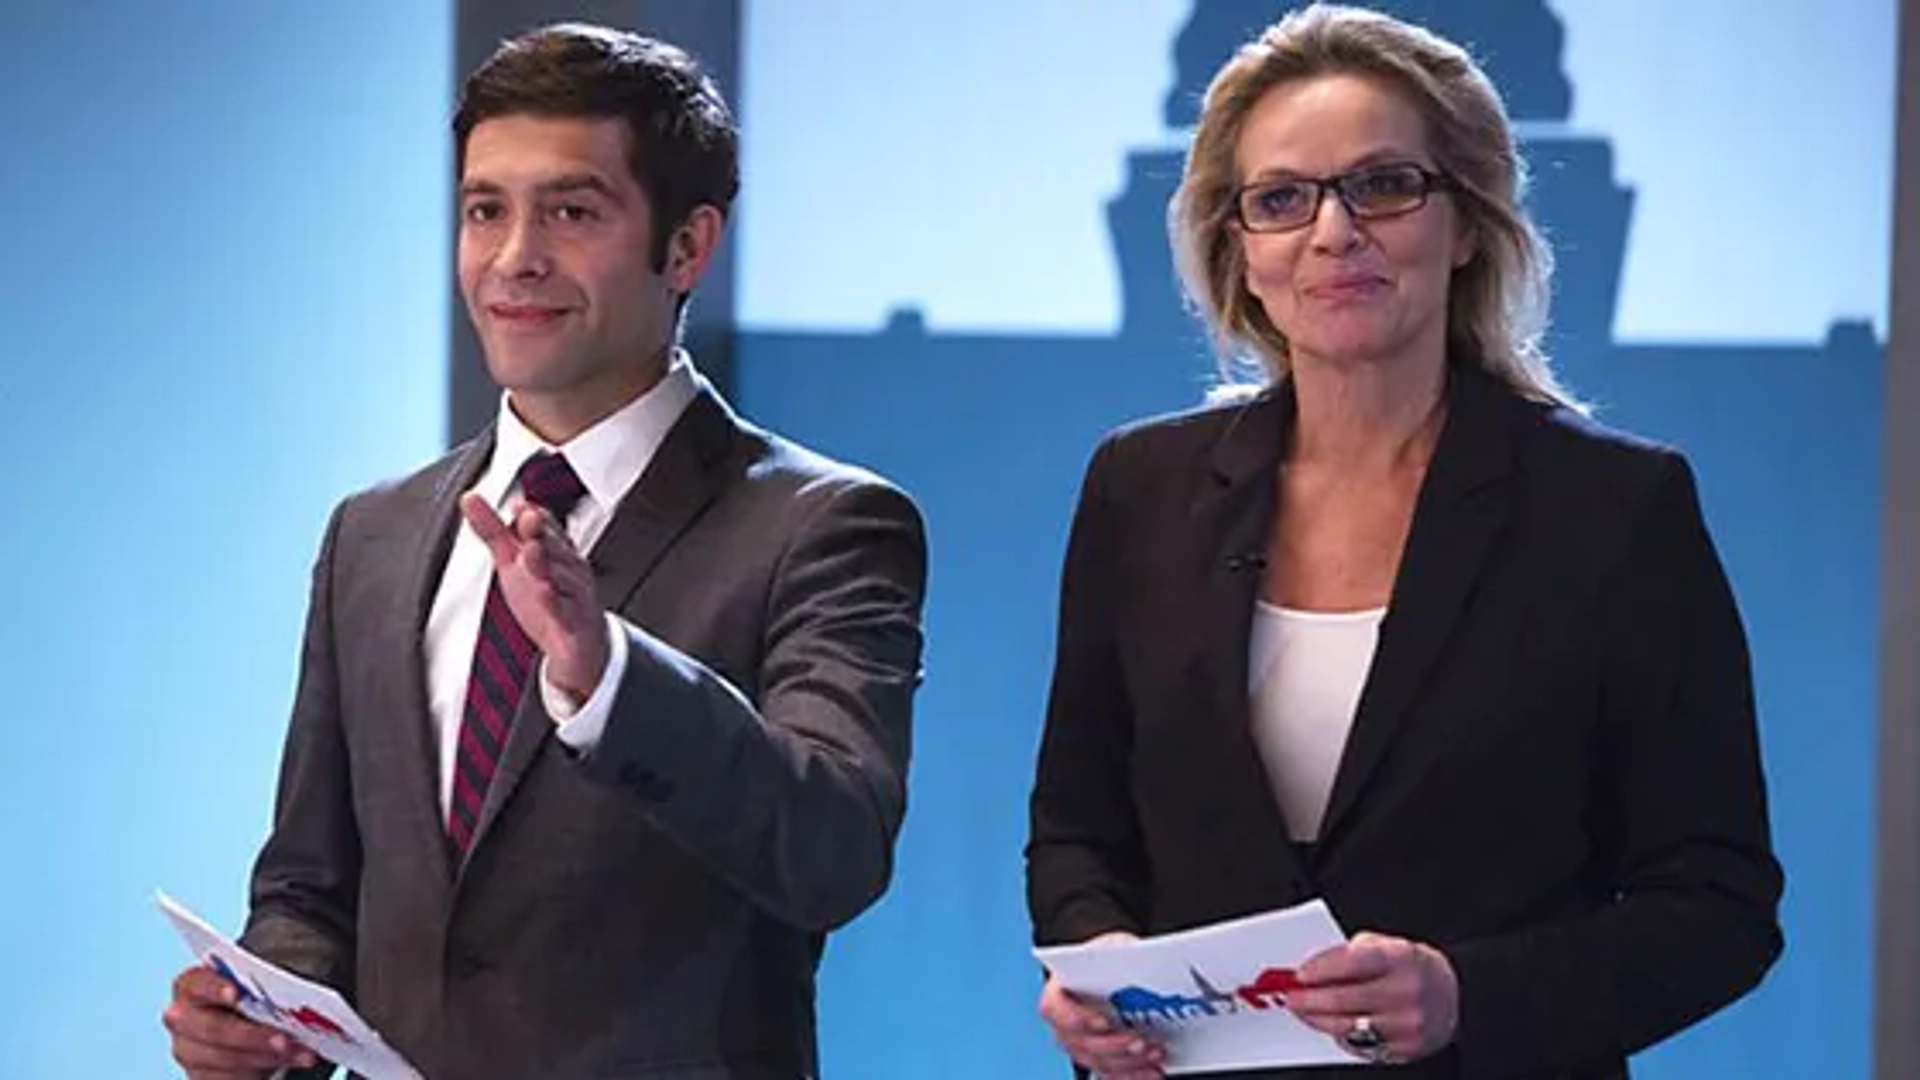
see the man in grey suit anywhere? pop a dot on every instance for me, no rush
(577, 788)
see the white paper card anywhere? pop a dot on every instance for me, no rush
(1213, 996)
(310, 1013)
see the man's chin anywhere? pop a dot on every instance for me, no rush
(527, 370)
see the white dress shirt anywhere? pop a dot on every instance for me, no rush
(609, 458)
(1305, 675)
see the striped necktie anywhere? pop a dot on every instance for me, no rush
(503, 658)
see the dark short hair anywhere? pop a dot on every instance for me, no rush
(684, 149)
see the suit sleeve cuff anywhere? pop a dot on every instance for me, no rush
(580, 725)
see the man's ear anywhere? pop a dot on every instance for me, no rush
(690, 250)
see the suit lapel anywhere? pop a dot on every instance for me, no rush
(1462, 507)
(679, 483)
(1231, 515)
(422, 582)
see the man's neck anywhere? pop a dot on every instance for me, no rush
(559, 418)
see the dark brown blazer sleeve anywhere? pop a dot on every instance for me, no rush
(307, 877)
(794, 791)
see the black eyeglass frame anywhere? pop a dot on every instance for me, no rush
(1430, 182)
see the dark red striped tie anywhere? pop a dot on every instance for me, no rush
(503, 658)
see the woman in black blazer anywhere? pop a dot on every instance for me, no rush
(1401, 627)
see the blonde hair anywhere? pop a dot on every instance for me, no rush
(1497, 301)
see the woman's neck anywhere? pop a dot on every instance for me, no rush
(1370, 416)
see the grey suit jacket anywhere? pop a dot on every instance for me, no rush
(655, 908)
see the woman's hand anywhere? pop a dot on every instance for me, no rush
(1402, 991)
(1093, 1038)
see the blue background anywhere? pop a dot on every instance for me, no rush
(227, 304)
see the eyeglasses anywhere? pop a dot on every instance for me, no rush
(1378, 191)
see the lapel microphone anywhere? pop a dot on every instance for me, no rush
(1238, 564)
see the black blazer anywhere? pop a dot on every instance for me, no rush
(1553, 775)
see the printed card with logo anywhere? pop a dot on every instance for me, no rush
(308, 1012)
(1214, 996)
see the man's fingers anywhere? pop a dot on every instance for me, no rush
(210, 1035)
(200, 1060)
(548, 556)
(226, 1031)
(573, 579)
(212, 1039)
(538, 526)
(556, 582)
(494, 533)
(537, 563)
(529, 522)
(543, 540)
(204, 986)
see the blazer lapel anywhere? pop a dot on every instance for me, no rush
(679, 483)
(422, 582)
(1232, 514)
(1462, 507)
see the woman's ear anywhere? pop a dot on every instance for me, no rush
(1466, 243)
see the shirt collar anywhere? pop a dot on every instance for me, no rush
(609, 456)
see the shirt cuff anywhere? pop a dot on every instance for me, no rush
(580, 725)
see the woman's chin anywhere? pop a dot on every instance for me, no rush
(1346, 350)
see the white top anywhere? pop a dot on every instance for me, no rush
(609, 458)
(1305, 671)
